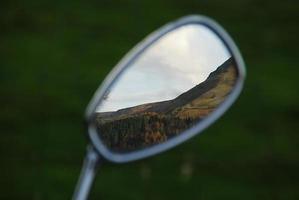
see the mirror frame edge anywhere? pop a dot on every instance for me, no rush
(130, 57)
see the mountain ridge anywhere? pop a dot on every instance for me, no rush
(149, 124)
(170, 105)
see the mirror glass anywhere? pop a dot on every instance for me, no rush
(173, 85)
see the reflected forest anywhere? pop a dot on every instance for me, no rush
(145, 125)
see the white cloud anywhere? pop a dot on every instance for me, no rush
(174, 64)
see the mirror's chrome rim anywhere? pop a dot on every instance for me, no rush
(131, 57)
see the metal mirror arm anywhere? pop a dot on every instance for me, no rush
(87, 175)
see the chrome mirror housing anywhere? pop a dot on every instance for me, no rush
(170, 87)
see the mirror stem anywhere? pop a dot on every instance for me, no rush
(87, 175)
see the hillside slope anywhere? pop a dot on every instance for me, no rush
(153, 123)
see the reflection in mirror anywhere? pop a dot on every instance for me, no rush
(173, 85)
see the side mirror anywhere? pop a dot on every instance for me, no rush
(169, 88)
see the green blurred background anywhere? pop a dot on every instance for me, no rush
(54, 54)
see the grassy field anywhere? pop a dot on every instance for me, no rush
(54, 54)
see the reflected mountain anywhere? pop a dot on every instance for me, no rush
(149, 124)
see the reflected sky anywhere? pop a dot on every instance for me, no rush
(174, 64)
